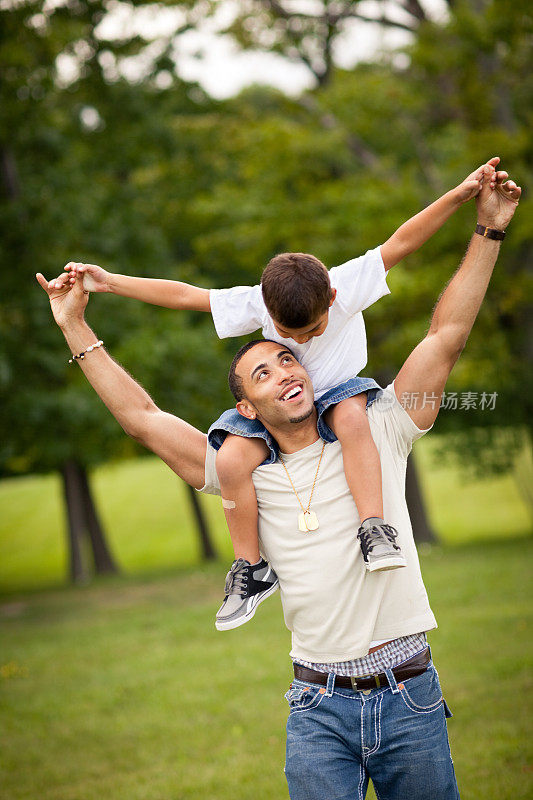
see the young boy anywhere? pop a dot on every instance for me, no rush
(318, 316)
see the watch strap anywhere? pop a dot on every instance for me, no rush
(489, 233)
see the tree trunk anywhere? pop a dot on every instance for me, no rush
(8, 169)
(208, 551)
(75, 519)
(85, 533)
(422, 530)
(103, 559)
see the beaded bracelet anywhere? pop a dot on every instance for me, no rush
(81, 355)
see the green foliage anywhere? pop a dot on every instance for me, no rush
(75, 163)
(474, 77)
(169, 183)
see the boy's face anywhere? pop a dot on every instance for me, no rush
(315, 328)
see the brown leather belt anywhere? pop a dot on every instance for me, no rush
(409, 669)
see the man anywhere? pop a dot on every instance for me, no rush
(346, 623)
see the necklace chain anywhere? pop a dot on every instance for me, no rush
(305, 510)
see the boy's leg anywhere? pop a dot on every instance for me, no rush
(362, 467)
(235, 462)
(251, 579)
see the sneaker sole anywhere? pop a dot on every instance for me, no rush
(236, 623)
(395, 562)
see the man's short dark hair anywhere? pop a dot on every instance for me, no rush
(296, 289)
(235, 381)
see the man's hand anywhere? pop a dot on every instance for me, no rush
(66, 301)
(95, 279)
(472, 184)
(497, 203)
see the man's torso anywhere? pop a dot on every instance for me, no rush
(332, 605)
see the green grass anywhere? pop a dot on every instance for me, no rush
(144, 508)
(147, 517)
(124, 690)
(464, 509)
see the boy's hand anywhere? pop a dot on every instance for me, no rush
(473, 183)
(95, 279)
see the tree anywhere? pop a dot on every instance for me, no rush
(156, 178)
(310, 33)
(459, 93)
(69, 176)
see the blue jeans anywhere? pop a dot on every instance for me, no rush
(233, 422)
(396, 735)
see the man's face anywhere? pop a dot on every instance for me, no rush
(278, 391)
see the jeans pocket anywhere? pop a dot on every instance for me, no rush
(304, 696)
(422, 694)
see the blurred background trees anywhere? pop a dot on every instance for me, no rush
(109, 156)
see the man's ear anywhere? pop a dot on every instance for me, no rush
(333, 296)
(246, 409)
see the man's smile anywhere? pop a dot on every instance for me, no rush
(292, 392)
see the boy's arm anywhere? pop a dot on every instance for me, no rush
(170, 294)
(425, 372)
(417, 230)
(235, 311)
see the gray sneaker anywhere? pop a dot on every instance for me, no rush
(378, 543)
(246, 586)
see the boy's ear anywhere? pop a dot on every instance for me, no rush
(246, 409)
(333, 296)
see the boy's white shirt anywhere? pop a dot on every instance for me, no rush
(340, 352)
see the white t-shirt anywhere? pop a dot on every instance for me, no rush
(337, 355)
(333, 607)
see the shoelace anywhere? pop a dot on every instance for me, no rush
(375, 535)
(237, 577)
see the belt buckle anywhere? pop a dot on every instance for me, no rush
(353, 681)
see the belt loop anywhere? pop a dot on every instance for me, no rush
(330, 684)
(392, 681)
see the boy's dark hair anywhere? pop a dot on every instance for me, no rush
(296, 289)
(234, 380)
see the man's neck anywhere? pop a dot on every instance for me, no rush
(297, 436)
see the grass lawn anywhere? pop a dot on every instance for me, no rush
(124, 690)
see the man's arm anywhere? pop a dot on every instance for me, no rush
(169, 294)
(417, 230)
(427, 369)
(180, 445)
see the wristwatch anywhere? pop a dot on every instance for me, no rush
(489, 233)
